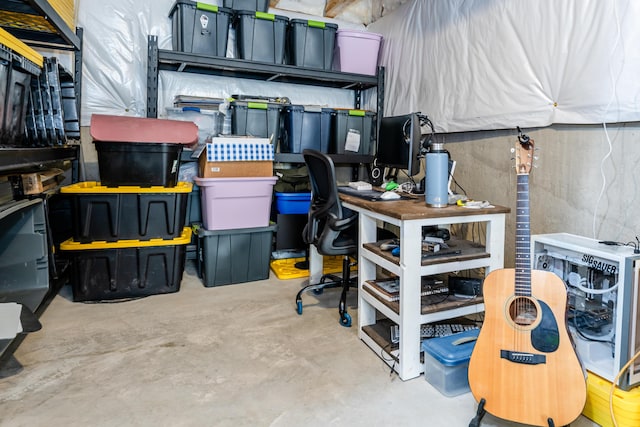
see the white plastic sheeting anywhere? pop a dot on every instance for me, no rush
(495, 64)
(114, 78)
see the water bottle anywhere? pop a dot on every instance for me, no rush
(437, 176)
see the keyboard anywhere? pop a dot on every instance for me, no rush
(372, 195)
(434, 330)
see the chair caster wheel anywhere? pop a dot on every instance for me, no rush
(299, 307)
(318, 291)
(345, 320)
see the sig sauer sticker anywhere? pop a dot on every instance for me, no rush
(599, 264)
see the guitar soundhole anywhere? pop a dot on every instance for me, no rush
(523, 311)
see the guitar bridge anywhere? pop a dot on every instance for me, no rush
(524, 358)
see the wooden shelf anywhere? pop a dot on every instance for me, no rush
(468, 251)
(432, 303)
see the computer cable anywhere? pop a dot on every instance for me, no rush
(394, 359)
(425, 121)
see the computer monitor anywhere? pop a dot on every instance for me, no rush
(399, 143)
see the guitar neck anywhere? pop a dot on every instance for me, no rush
(523, 238)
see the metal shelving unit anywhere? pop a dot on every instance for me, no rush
(38, 24)
(169, 60)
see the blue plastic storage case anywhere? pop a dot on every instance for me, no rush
(293, 203)
(446, 361)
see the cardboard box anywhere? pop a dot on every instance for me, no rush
(234, 169)
(236, 157)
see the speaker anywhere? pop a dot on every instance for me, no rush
(376, 175)
(465, 286)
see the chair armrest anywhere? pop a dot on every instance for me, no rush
(339, 224)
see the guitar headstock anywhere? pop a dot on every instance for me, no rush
(524, 154)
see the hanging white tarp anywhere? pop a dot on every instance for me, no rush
(492, 64)
(114, 75)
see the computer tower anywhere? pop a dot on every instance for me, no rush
(603, 298)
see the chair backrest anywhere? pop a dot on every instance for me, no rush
(325, 203)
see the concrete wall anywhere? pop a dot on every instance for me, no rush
(565, 187)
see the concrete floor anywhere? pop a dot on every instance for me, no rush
(226, 356)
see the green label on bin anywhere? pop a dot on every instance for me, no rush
(267, 16)
(316, 24)
(207, 7)
(356, 113)
(257, 105)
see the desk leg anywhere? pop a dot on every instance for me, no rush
(410, 307)
(495, 242)
(366, 269)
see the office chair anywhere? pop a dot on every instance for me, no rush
(331, 228)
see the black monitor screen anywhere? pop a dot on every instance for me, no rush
(399, 143)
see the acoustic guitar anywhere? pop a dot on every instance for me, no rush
(524, 367)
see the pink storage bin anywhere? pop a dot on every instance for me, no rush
(356, 51)
(231, 203)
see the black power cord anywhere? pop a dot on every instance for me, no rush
(635, 245)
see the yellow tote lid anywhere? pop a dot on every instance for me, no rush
(71, 245)
(93, 187)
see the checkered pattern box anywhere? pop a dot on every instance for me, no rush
(235, 157)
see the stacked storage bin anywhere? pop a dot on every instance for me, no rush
(18, 65)
(236, 185)
(256, 117)
(352, 131)
(210, 124)
(200, 27)
(129, 238)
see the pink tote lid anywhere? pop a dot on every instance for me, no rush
(107, 128)
(360, 34)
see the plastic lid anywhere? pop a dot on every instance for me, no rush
(183, 239)
(445, 351)
(107, 128)
(314, 24)
(179, 110)
(360, 34)
(208, 182)
(94, 187)
(262, 15)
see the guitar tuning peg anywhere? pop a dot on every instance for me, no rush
(513, 150)
(535, 157)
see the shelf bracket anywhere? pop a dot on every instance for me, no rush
(152, 77)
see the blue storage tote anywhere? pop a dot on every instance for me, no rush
(356, 125)
(293, 203)
(306, 127)
(446, 361)
(310, 43)
(261, 36)
(200, 27)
